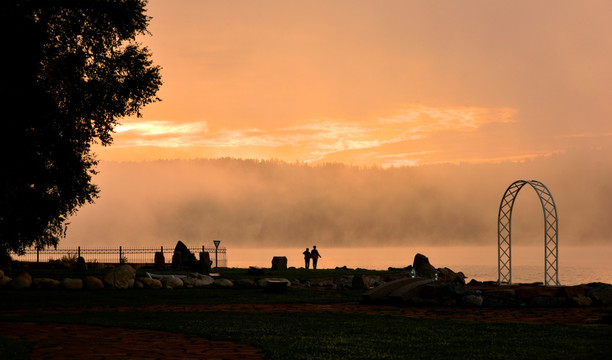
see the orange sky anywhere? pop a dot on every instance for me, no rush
(369, 82)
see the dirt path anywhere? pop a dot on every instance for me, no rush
(69, 341)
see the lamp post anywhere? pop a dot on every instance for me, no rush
(217, 242)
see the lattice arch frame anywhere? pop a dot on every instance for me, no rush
(504, 232)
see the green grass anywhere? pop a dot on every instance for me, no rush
(361, 336)
(31, 299)
(13, 349)
(305, 335)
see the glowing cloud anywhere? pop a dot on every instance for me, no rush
(365, 142)
(158, 133)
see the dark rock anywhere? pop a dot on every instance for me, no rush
(447, 275)
(501, 298)
(26, 276)
(172, 282)
(72, 284)
(581, 300)
(19, 283)
(471, 300)
(205, 262)
(279, 263)
(160, 260)
(47, 283)
(93, 283)
(602, 294)
(502, 302)
(150, 283)
(380, 292)
(372, 280)
(182, 257)
(423, 267)
(277, 286)
(451, 290)
(574, 291)
(81, 265)
(548, 301)
(414, 288)
(344, 282)
(121, 277)
(263, 283)
(358, 282)
(530, 291)
(430, 291)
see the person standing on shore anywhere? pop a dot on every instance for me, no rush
(315, 256)
(307, 258)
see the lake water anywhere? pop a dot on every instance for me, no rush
(576, 265)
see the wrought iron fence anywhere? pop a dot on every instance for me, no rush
(115, 255)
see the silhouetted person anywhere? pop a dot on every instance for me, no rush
(314, 254)
(307, 258)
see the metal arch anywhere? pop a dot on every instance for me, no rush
(504, 232)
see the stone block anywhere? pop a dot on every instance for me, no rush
(279, 263)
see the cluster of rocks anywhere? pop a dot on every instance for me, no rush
(125, 277)
(426, 285)
(25, 281)
(418, 284)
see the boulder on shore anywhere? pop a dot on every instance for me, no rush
(422, 266)
(72, 284)
(26, 276)
(602, 294)
(182, 257)
(279, 263)
(150, 283)
(93, 283)
(172, 282)
(19, 283)
(45, 283)
(264, 282)
(223, 283)
(121, 277)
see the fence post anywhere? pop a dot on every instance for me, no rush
(120, 257)
(79, 251)
(37, 255)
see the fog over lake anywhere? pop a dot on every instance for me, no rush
(253, 204)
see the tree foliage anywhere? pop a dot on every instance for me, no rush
(71, 69)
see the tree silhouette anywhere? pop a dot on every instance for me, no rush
(70, 70)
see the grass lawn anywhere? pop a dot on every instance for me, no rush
(360, 336)
(296, 335)
(13, 349)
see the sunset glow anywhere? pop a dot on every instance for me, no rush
(363, 83)
(355, 124)
(316, 140)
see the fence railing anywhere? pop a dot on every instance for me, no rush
(116, 255)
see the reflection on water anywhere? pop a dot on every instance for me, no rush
(577, 265)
